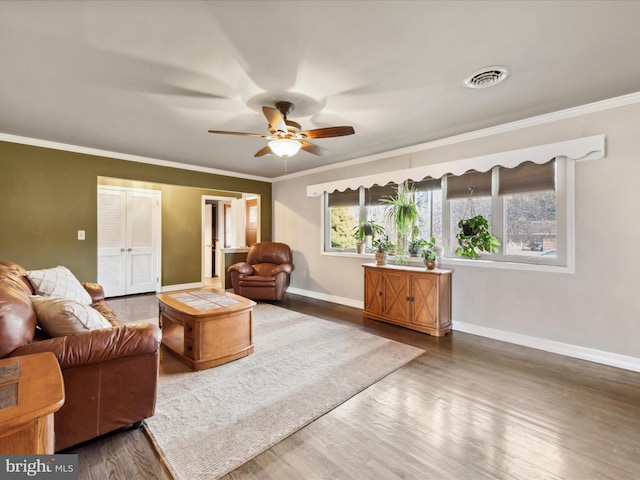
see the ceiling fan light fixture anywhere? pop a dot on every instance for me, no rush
(285, 147)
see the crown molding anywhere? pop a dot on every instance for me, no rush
(124, 156)
(599, 106)
(594, 107)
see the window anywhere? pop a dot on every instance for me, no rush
(346, 210)
(343, 217)
(527, 207)
(530, 201)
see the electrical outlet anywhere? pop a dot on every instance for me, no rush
(80, 234)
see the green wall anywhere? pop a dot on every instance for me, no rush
(47, 195)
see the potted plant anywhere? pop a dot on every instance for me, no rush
(429, 255)
(365, 233)
(382, 246)
(372, 230)
(360, 234)
(474, 236)
(402, 211)
(416, 242)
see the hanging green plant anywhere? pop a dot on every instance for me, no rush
(402, 211)
(474, 237)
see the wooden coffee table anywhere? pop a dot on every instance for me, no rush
(206, 327)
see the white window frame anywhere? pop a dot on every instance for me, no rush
(564, 260)
(579, 149)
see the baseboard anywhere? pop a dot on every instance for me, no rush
(183, 286)
(349, 302)
(590, 354)
(567, 349)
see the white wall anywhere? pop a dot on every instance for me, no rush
(593, 314)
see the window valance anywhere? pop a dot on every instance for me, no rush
(586, 148)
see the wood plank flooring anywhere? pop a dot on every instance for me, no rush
(468, 408)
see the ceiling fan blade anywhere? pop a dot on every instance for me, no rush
(239, 133)
(315, 149)
(329, 132)
(266, 150)
(275, 119)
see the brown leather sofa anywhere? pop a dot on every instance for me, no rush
(266, 273)
(110, 375)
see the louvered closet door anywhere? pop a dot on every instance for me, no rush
(112, 212)
(141, 251)
(128, 240)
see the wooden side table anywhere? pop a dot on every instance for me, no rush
(32, 390)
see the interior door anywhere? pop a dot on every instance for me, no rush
(112, 211)
(141, 252)
(252, 221)
(128, 240)
(207, 247)
(210, 240)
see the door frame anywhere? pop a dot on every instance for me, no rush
(221, 228)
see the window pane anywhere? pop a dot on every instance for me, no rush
(530, 224)
(343, 221)
(430, 209)
(461, 209)
(375, 213)
(423, 201)
(436, 216)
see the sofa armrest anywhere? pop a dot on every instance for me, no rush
(243, 268)
(98, 346)
(95, 290)
(282, 268)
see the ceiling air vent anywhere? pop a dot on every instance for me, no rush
(487, 77)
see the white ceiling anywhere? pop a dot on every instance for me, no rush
(150, 78)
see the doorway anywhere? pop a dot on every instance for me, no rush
(211, 242)
(229, 225)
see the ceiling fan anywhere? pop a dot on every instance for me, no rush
(285, 137)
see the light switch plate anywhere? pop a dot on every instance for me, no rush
(80, 234)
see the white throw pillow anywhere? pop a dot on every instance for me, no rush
(59, 282)
(60, 316)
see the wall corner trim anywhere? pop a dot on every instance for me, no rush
(327, 298)
(575, 351)
(182, 286)
(625, 362)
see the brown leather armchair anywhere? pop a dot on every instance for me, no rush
(266, 273)
(110, 375)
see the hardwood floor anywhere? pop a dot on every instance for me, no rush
(468, 408)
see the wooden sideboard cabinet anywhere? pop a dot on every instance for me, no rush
(413, 297)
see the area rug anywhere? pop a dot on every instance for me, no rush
(210, 422)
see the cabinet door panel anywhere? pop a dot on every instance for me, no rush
(373, 291)
(396, 293)
(425, 300)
